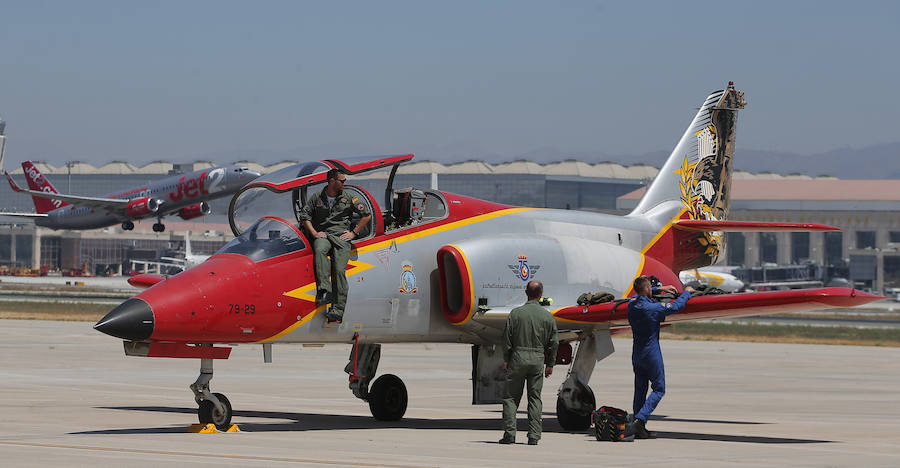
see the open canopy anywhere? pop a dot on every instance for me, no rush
(264, 196)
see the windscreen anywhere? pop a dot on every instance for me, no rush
(267, 238)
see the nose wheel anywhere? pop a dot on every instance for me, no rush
(209, 413)
(212, 407)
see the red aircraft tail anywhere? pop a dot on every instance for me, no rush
(37, 181)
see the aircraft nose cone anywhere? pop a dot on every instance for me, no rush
(131, 320)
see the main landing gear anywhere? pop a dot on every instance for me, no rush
(127, 226)
(387, 398)
(213, 407)
(159, 226)
(575, 400)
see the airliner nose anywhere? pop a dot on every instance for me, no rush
(131, 320)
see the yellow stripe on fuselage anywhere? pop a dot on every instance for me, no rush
(303, 292)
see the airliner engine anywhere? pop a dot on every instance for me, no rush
(140, 207)
(194, 211)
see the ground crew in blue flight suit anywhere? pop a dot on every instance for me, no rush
(644, 316)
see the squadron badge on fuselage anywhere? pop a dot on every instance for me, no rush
(407, 279)
(523, 270)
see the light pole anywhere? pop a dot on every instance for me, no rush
(69, 168)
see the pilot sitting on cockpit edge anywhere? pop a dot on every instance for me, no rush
(327, 216)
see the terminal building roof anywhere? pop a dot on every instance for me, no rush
(788, 193)
(568, 168)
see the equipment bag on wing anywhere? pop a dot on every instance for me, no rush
(610, 423)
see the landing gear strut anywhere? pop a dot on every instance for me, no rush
(127, 226)
(387, 398)
(575, 399)
(213, 407)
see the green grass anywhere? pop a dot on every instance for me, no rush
(785, 333)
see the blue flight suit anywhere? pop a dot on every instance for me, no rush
(644, 316)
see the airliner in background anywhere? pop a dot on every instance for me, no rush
(184, 195)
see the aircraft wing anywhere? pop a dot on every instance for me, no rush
(90, 202)
(723, 305)
(25, 215)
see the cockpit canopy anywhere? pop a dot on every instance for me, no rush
(269, 237)
(281, 193)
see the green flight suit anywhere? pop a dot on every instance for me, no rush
(333, 222)
(529, 343)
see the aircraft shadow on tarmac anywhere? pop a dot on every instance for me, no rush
(318, 422)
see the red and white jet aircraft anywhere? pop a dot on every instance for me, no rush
(433, 266)
(184, 195)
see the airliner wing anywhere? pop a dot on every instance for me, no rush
(25, 215)
(90, 202)
(725, 305)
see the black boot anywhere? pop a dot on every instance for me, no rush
(639, 429)
(332, 317)
(323, 297)
(507, 440)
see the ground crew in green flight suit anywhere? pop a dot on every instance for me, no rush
(327, 216)
(529, 350)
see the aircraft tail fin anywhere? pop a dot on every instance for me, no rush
(695, 183)
(37, 181)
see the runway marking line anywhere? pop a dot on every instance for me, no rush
(210, 455)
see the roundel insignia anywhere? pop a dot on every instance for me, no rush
(361, 207)
(524, 272)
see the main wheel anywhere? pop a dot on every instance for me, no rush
(570, 420)
(207, 413)
(388, 398)
(159, 227)
(127, 226)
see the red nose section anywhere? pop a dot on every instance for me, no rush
(229, 298)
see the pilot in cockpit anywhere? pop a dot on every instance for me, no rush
(327, 216)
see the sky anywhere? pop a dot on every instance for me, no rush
(99, 81)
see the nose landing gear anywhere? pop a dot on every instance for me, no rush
(213, 407)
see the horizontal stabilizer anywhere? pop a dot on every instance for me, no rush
(700, 225)
(726, 305)
(145, 280)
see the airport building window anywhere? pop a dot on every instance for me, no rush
(894, 236)
(799, 247)
(768, 247)
(24, 249)
(834, 248)
(892, 271)
(865, 239)
(734, 244)
(5, 248)
(50, 252)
